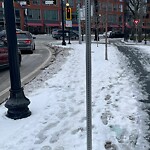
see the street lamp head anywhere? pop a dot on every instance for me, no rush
(67, 4)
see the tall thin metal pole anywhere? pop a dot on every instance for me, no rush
(88, 73)
(79, 23)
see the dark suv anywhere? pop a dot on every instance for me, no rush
(58, 34)
(116, 34)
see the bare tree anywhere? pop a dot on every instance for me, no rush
(137, 11)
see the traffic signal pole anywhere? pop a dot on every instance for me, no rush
(68, 17)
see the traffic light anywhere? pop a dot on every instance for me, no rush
(68, 13)
(28, 2)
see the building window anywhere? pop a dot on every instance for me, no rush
(114, 19)
(120, 8)
(17, 13)
(120, 19)
(115, 7)
(36, 2)
(71, 3)
(109, 6)
(33, 14)
(103, 6)
(51, 15)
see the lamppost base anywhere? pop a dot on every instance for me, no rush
(63, 43)
(82, 38)
(69, 43)
(17, 105)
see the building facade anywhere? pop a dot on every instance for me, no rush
(110, 12)
(41, 16)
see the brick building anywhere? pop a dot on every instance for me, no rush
(40, 17)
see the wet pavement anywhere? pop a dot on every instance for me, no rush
(137, 60)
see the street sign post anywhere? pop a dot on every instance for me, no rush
(68, 23)
(136, 21)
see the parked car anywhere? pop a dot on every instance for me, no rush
(58, 34)
(3, 34)
(4, 55)
(25, 40)
(116, 34)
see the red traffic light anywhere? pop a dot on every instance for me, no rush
(68, 13)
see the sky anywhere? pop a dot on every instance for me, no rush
(58, 104)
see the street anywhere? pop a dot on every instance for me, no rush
(31, 66)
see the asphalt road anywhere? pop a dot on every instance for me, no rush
(31, 65)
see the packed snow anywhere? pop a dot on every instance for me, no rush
(58, 104)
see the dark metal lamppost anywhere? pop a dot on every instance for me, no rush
(17, 103)
(62, 15)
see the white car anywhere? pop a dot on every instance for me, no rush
(108, 34)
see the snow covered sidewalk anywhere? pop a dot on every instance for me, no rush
(58, 106)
